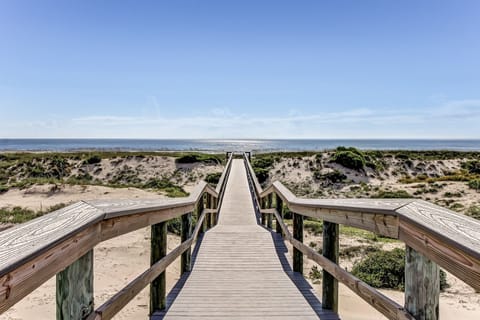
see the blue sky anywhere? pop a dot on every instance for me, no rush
(240, 69)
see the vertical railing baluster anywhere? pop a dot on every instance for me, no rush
(331, 252)
(270, 205)
(158, 243)
(263, 206)
(186, 233)
(422, 286)
(279, 207)
(208, 205)
(75, 289)
(298, 235)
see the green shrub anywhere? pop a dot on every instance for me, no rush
(317, 175)
(334, 176)
(386, 269)
(315, 227)
(16, 215)
(382, 269)
(474, 184)
(349, 159)
(175, 226)
(197, 157)
(315, 275)
(167, 186)
(213, 178)
(392, 194)
(262, 174)
(93, 159)
(474, 212)
(472, 166)
(3, 188)
(264, 162)
(175, 192)
(156, 183)
(81, 178)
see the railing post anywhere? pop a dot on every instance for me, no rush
(215, 215)
(186, 233)
(298, 235)
(270, 215)
(331, 252)
(264, 206)
(199, 210)
(279, 207)
(75, 289)
(157, 252)
(209, 206)
(422, 286)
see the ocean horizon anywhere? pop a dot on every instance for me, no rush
(221, 145)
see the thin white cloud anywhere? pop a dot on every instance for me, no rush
(223, 123)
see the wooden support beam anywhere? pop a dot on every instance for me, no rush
(279, 207)
(75, 289)
(270, 215)
(331, 252)
(422, 286)
(186, 233)
(297, 235)
(158, 251)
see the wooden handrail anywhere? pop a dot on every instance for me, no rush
(449, 239)
(113, 305)
(33, 252)
(220, 189)
(379, 301)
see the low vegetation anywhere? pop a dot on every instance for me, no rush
(213, 178)
(474, 212)
(392, 194)
(386, 269)
(351, 158)
(21, 215)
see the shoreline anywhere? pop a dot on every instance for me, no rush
(224, 145)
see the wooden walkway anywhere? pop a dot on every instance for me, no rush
(241, 270)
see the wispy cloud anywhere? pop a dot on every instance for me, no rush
(223, 123)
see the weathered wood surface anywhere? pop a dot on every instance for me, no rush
(158, 250)
(115, 208)
(451, 240)
(185, 263)
(74, 292)
(375, 298)
(422, 286)
(33, 252)
(241, 270)
(19, 243)
(18, 283)
(279, 208)
(297, 235)
(124, 296)
(331, 247)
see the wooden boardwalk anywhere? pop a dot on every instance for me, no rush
(241, 270)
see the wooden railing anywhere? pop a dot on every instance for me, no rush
(434, 236)
(61, 243)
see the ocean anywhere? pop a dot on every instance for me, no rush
(221, 145)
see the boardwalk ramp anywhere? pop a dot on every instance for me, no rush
(241, 271)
